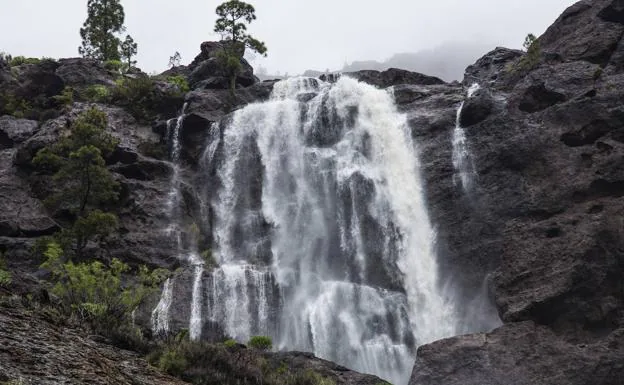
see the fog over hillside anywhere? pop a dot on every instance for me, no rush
(447, 61)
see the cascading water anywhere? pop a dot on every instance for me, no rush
(321, 231)
(160, 315)
(462, 161)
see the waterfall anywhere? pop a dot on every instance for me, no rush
(462, 161)
(160, 314)
(321, 230)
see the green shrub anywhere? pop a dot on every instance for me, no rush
(533, 53)
(66, 97)
(94, 292)
(309, 377)
(137, 95)
(15, 106)
(19, 60)
(180, 82)
(230, 343)
(113, 65)
(97, 93)
(172, 362)
(260, 342)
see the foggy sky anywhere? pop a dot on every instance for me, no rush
(300, 34)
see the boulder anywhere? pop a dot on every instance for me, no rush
(206, 71)
(477, 108)
(393, 77)
(520, 354)
(14, 131)
(81, 72)
(209, 74)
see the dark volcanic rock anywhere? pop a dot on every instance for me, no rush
(206, 72)
(477, 108)
(544, 211)
(589, 30)
(520, 354)
(207, 107)
(492, 68)
(13, 131)
(81, 72)
(393, 77)
(38, 80)
(21, 214)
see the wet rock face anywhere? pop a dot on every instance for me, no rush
(549, 189)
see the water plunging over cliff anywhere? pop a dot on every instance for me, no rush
(462, 160)
(321, 231)
(160, 314)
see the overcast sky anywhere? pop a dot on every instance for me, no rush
(300, 34)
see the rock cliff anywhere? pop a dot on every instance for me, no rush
(547, 210)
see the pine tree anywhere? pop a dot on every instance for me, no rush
(234, 16)
(78, 163)
(105, 19)
(82, 180)
(128, 51)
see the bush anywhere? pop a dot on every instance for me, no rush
(172, 362)
(94, 293)
(180, 82)
(533, 53)
(66, 98)
(15, 106)
(19, 60)
(97, 93)
(230, 343)
(137, 95)
(260, 343)
(113, 65)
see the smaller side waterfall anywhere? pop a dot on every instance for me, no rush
(462, 161)
(195, 322)
(160, 314)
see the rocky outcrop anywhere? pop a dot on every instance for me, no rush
(207, 71)
(37, 349)
(81, 72)
(520, 354)
(393, 77)
(548, 204)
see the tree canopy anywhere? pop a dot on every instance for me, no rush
(104, 20)
(128, 51)
(233, 18)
